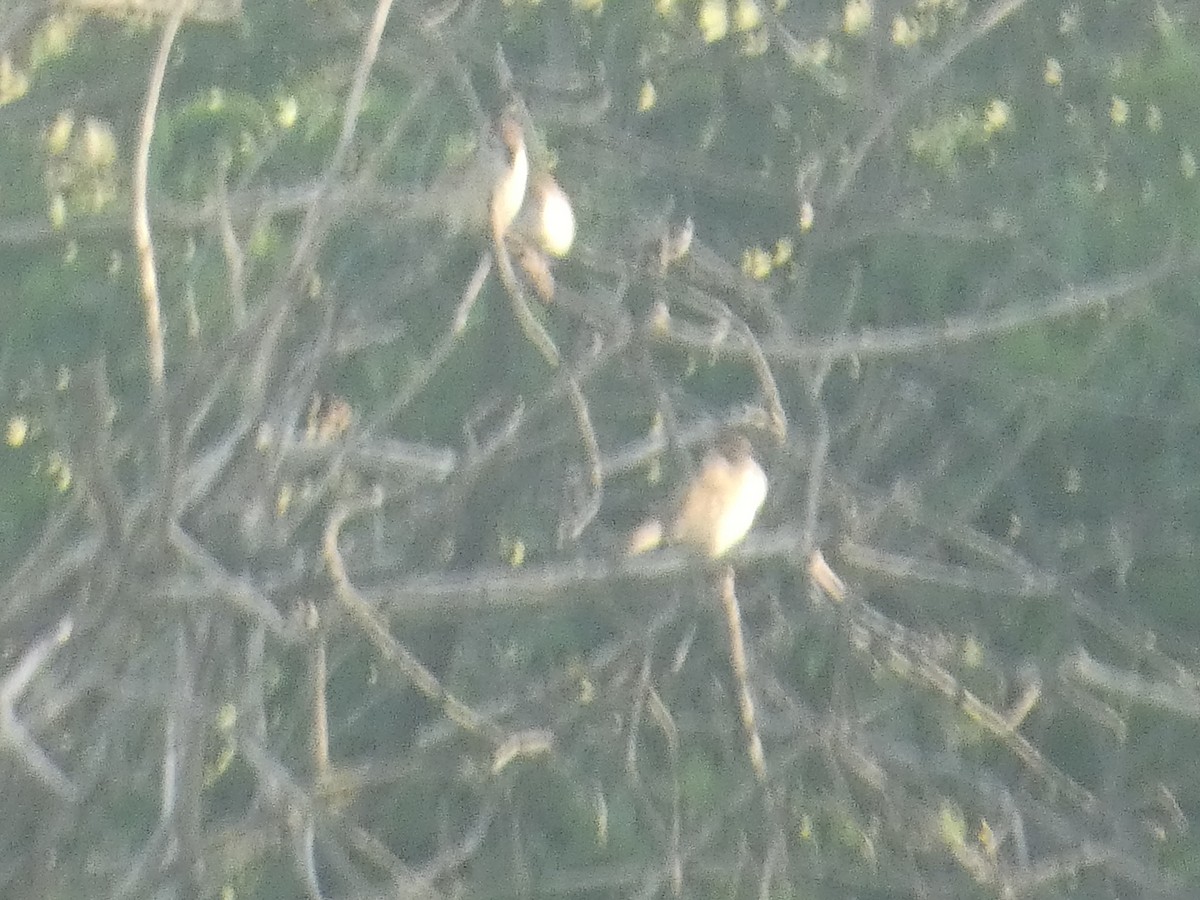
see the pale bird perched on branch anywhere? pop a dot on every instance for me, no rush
(544, 229)
(554, 219)
(508, 188)
(719, 506)
(484, 192)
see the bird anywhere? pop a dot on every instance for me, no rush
(722, 501)
(545, 228)
(554, 219)
(509, 184)
(483, 193)
(718, 507)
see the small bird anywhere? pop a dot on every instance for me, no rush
(722, 501)
(719, 506)
(554, 219)
(483, 193)
(508, 187)
(545, 228)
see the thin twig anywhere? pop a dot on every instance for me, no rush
(353, 108)
(320, 708)
(902, 341)
(591, 447)
(766, 383)
(156, 355)
(362, 613)
(235, 260)
(13, 732)
(239, 592)
(471, 293)
(741, 671)
(537, 334)
(908, 653)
